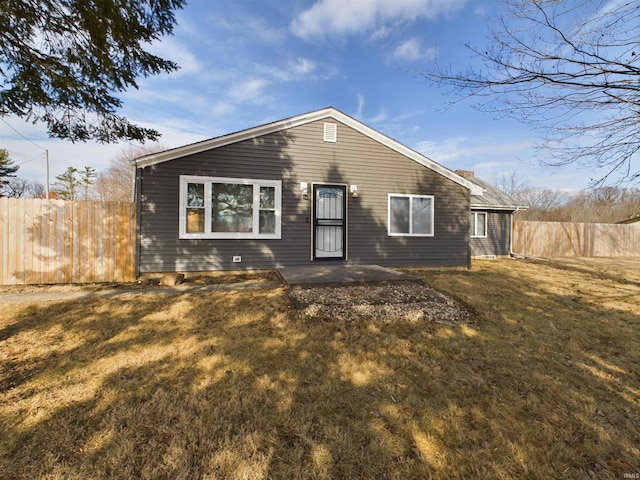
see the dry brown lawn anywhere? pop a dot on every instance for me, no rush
(544, 382)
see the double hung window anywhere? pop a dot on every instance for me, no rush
(410, 215)
(478, 224)
(215, 207)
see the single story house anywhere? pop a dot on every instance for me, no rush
(318, 187)
(491, 219)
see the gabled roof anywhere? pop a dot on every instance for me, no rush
(298, 120)
(493, 198)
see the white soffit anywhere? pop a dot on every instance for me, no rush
(296, 121)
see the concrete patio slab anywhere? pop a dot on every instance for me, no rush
(317, 274)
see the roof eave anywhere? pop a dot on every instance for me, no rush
(514, 208)
(291, 122)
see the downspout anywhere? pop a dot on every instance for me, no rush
(136, 190)
(469, 233)
(511, 252)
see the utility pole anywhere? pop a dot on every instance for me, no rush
(46, 161)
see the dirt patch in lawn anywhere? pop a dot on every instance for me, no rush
(404, 301)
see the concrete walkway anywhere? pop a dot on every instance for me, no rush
(27, 297)
(318, 274)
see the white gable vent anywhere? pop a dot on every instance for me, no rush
(330, 132)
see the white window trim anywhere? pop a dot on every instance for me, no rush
(474, 233)
(207, 181)
(410, 197)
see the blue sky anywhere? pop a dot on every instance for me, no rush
(249, 62)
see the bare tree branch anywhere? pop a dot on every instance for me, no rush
(569, 67)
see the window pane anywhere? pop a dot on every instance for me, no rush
(481, 224)
(421, 216)
(195, 220)
(195, 195)
(267, 221)
(231, 207)
(267, 197)
(472, 221)
(399, 215)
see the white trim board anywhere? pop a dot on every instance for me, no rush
(296, 121)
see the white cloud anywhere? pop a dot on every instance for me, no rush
(380, 117)
(247, 27)
(296, 70)
(344, 18)
(170, 49)
(360, 105)
(222, 108)
(303, 66)
(412, 50)
(381, 33)
(481, 151)
(249, 92)
(258, 28)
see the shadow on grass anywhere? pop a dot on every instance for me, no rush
(594, 270)
(237, 385)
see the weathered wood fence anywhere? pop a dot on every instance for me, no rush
(564, 239)
(58, 241)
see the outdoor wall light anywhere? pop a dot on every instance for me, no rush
(304, 189)
(353, 189)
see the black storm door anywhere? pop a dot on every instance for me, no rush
(329, 222)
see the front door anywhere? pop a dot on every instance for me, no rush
(329, 222)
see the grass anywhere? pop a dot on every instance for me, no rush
(544, 383)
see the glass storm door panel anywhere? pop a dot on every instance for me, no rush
(329, 220)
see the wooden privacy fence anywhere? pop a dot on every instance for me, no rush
(58, 241)
(564, 239)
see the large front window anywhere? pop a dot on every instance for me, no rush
(212, 207)
(411, 215)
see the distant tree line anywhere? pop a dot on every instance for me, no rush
(607, 204)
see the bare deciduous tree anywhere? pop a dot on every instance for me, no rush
(15, 188)
(603, 205)
(115, 184)
(36, 190)
(510, 183)
(544, 203)
(571, 68)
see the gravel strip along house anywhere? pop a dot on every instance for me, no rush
(318, 188)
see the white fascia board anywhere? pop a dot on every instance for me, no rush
(292, 122)
(514, 208)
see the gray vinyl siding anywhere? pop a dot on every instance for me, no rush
(300, 155)
(498, 232)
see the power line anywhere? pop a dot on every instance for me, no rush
(29, 159)
(27, 139)
(46, 154)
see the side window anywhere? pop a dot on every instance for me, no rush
(478, 224)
